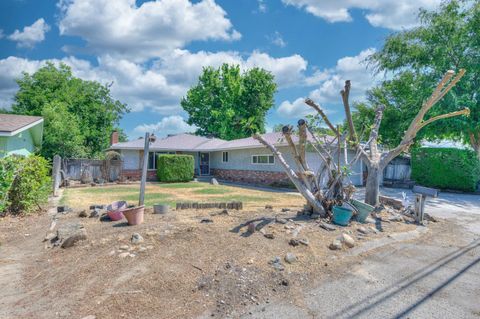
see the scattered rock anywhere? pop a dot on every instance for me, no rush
(285, 210)
(142, 249)
(430, 218)
(206, 220)
(362, 230)
(124, 247)
(136, 239)
(83, 214)
(348, 240)
(251, 227)
(224, 212)
(124, 255)
(69, 234)
(290, 258)
(370, 220)
(214, 181)
(281, 220)
(63, 209)
(336, 244)
(284, 282)
(50, 236)
(277, 264)
(70, 241)
(269, 235)
(373, 229)
(111, 253)
(304, 242)
(268, 207)
(396, 218)
(315, 216)
(97, 212)
(327, 226)
(294, 242)
(90, 317)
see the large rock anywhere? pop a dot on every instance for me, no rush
(214, 181)
(336, 244)
(327, 226)
(348, 240)
(69, 234)
(136, 239)
(290, 258)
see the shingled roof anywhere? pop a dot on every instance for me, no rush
(11, 124)
(190, 142)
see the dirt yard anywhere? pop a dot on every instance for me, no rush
(184, 268)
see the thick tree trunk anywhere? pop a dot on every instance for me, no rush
(372, 189)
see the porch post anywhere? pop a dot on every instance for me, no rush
(144, 169)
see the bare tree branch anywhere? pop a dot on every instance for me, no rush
(465, 111)
(322, 114)
(345, 93)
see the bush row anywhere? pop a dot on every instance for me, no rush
(446, 168)
(175, 168)
(25, 184)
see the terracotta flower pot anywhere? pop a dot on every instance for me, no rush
(134, 215)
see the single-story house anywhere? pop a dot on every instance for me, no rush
(242, 160)
(20, 134)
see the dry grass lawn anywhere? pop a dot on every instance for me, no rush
(170, 194)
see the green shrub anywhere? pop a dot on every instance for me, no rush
(175, 168)
(446, 168)
(25, 183)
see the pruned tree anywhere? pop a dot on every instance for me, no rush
(308, 182)
(374, 159)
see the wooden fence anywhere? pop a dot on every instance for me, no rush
(398, 172)
(91, 170)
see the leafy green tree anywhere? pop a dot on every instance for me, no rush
(230, 104)
(63, 136)
(87, 110)
(446, 39)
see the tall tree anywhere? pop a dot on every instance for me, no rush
(87, 107)
(448, 38)
(230, 104)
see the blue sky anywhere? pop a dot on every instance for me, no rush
(153, 51)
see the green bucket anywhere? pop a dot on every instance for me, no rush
(364, 210)
(341, 215)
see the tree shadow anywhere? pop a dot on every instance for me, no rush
(260, 223)
(408, 281)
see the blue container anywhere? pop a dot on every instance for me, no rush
(341, 215)
(364, 210)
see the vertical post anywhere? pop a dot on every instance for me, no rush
(144, 169)
(57, 160)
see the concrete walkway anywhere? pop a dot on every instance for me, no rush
(436, 276)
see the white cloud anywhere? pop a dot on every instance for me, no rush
(158, 85)
(391, 14)
(120, 28)
(31, 35)
(262, 6)
(167, 125)
(331, 82)
(277, 39)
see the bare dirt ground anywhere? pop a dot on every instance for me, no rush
(183, 269)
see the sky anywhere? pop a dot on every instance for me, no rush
(154, 51)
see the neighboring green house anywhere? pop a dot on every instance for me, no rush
(20, 134)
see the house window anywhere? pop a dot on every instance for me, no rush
(152, 159)
(263, 159)
(225, 157)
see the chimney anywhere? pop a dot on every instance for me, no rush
(114, 138)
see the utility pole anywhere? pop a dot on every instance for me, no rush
(148, 139)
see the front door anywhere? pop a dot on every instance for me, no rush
(204, 163)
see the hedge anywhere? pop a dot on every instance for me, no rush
(175, 168)
(25, 184)
(446, 168)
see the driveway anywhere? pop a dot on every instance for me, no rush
(436, 275)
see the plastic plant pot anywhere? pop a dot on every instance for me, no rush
(160, 209)
(341, 215)
(364, 210)
(114, 210)
(134, 215)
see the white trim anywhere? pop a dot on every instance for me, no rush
(251, 160)
(23, 128)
